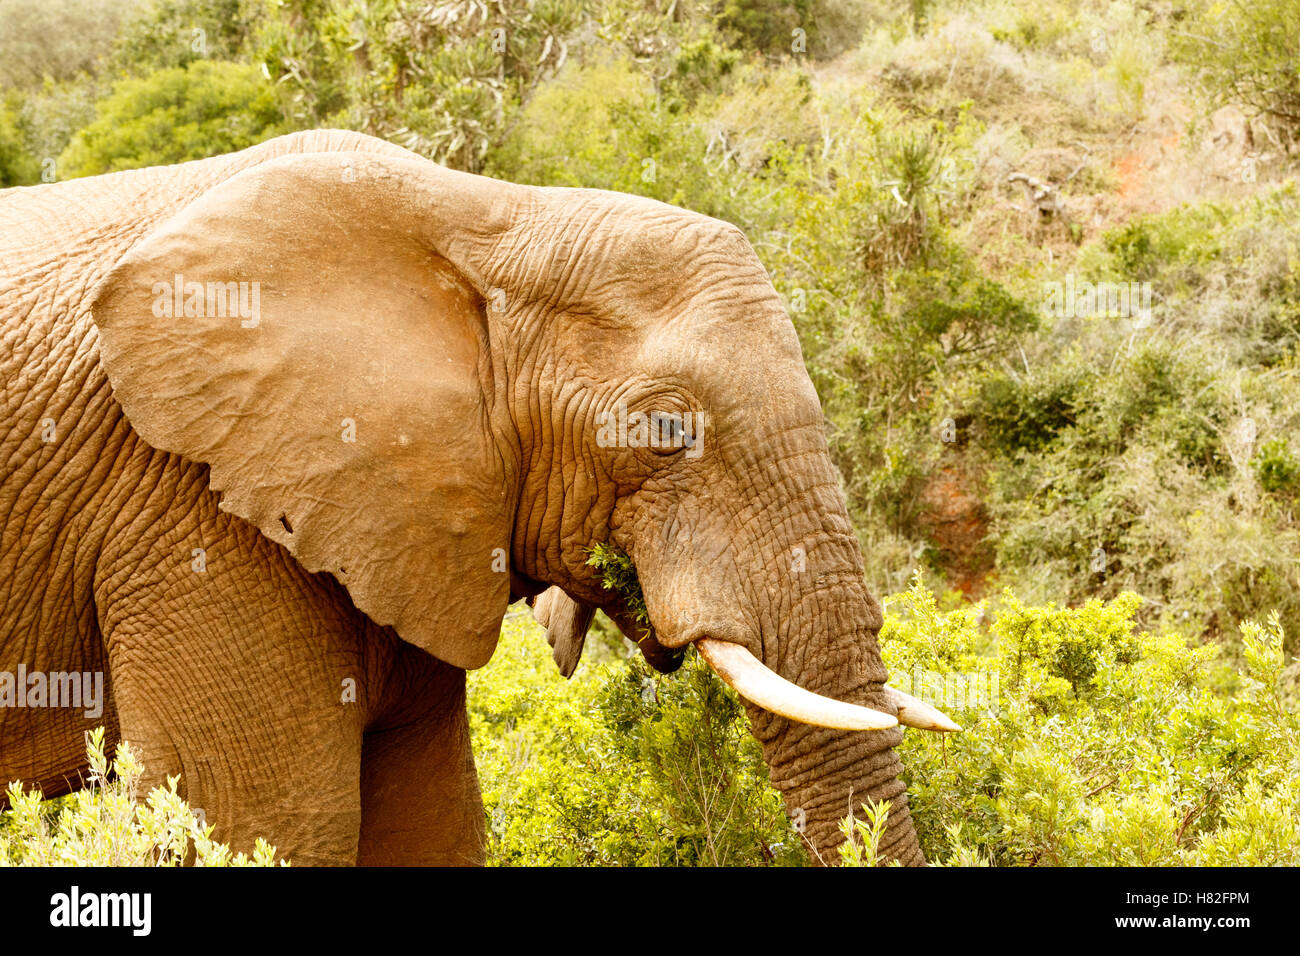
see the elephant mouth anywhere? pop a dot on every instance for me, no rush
(752, 679)
(567, 619)
(663, 659)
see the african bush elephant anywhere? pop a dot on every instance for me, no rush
(285, 432)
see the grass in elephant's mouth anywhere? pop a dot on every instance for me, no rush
(618, 574)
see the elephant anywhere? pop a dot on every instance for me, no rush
(287, 430)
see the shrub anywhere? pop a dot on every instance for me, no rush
(764, 25)
(18, 167)
(1087, 742)
(620, 766)
(899, 226)
(1027, 413)
(107, 824)
(1245, 52)
(175, 33)
(604, 126)
(1100, 745)
(174, 115)
(1277, 468)
(443, 79)
(861, 846)
(699, 67)
(966, 316)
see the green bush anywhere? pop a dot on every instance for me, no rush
(445, 80)
(1087, 742)
(162, 34)
(861, 846)
(764, 25)
(1245, 52)
(1175, 249)
(899, 225)
(174, 115)
(619, 767)
(1026, 414)
(604, 126)
(1277, 468)
(108, 824)
(1100, 745)
(18, 167)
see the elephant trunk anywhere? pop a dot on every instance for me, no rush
(827, 773)
(824, 775)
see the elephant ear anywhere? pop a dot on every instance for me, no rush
(314, 330)
(567, 622)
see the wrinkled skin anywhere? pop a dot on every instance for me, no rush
(286, 538)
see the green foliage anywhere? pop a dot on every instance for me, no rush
(1277, 468)
(1245, 52)
(1087, 742)
(173, 115)
(18, 167)
(175, 33)
(618, 574)
(969, 314)
(620, 766)
(1158, 446)
(899, 224)
(108, 824)
(1102, 746)
(603, 126)
(443, 79)
(861, 846)
(47, 120)
(1176, 247)
(1050, 652)
(764, 25)
(700, 67)
(1025, 414)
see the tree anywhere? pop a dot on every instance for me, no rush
(174, 115)
(18, 167)
(1249, 53)
(445, 78)
(166, 33)
(55, 39)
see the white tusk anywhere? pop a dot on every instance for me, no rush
(754, 681)
(917, 713)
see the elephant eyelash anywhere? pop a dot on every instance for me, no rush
(672, 432)
(675, 430)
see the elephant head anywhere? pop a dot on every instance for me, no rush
(444, 390)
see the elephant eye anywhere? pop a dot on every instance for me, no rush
(671, 432)
(669, 426)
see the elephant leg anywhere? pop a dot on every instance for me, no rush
(238, 670)
(420, 800)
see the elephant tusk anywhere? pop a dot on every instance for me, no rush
(758, 684)
(917, 713)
